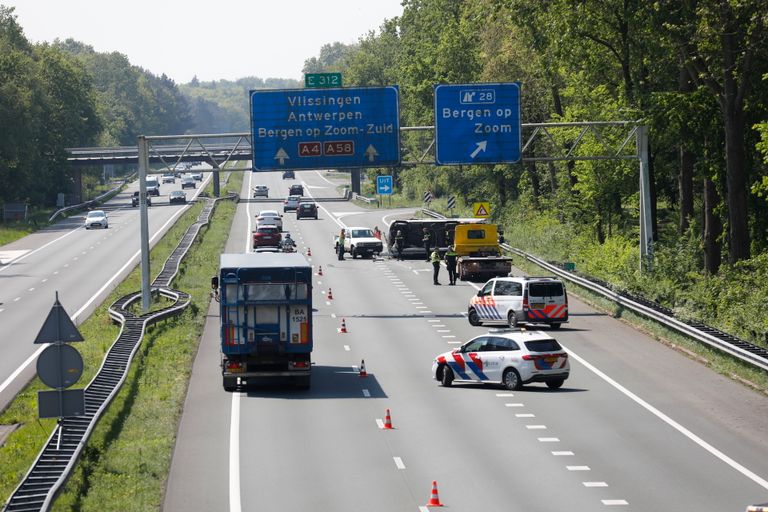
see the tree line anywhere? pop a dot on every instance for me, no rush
(694, 71)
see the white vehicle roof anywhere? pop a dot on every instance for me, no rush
(268, 213)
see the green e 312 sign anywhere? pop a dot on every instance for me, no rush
(322, 80)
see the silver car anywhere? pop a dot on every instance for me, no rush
(96, 219)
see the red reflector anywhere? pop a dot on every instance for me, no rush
(234, 366)
(300, 364)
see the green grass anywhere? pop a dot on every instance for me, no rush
(126, 461)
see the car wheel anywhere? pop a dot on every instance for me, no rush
(447, 378)
(511, 379)
(555, 325)
(353, 252)
(512, 319)
(555, 383)
(474, 318)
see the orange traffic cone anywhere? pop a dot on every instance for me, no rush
(309, 251)
(434, 499)
(330, 294)
(320, 270)
(363, 373)
(343, 326)
(388, 421)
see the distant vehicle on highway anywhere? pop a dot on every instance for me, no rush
(177, 196)
(188, 182)
(508, 357)
(269, 217)
(306, 209)
(261, 191)
(291, 203)
(266, 235)
(168, 178)
(96, 219)
(153, 186)
(197, 175)
(135, 199)
(296, 190)
(288, 175)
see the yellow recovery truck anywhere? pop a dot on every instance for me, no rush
(479, 252)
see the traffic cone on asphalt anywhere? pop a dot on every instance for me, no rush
(309, 251)
(388, 421)
(320, 270)
(434, 499)
(343, 329)
(363, 373)
(330, 294)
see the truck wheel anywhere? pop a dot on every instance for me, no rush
(474, 318)
(512, 319)
(511, 379)
(230, 384)
(447, 378)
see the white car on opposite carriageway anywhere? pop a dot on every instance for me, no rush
(507, 357)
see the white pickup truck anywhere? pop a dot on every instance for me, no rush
(359, 241)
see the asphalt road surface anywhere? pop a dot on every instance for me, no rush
(84, 266)
(638, 426)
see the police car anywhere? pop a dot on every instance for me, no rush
(520, 300)
(507, 357)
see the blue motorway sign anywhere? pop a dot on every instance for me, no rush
(325, 128)
(384, 185)
(477, 123)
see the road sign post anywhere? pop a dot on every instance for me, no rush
(325, 128)
(477, 124)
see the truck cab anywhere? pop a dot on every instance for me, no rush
(480, 257)
(266, 318)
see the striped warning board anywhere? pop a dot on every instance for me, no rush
(427, 196)
(481, 210)
(452, 202)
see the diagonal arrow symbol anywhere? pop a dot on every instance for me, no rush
(480, 147)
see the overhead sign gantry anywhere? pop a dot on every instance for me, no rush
(325, 128)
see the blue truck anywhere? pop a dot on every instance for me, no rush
(265, 310)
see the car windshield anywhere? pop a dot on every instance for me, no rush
(551, 289)
(361, 233)
(177, 193)
(268, 213)
(543, 346)
(95, 213)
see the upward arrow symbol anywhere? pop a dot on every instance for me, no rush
(371, 152)
(281, 155)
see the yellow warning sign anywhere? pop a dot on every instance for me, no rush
(482, 210)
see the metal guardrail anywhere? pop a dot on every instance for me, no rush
(95, 200)
(59, 455)
(741, 349)
(358, 197)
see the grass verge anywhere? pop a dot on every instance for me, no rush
(126, 461)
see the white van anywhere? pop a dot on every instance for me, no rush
(517, 300)
(153, 186)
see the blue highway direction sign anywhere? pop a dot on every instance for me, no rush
(384, 185)
(477, 124)
(325, 128)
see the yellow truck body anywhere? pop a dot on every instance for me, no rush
(479, 252)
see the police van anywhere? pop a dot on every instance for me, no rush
(520, 300)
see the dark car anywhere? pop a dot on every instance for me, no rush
(266, 236)
(177, 196)
(288, 175)
(188, 182)
(306, 209)
(135, 199)
(296, 190)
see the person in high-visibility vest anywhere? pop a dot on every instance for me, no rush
(451, 257)
(427, 241)
(399, 239)
(435, 259)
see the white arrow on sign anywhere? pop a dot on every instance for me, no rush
(371, 152)
(385, 188)
(282, 156)
(480, 147)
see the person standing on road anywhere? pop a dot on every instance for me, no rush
(340, 247)
(399, 244)
(451, 257)
(427, 241)
(376, 232)
(435, 259)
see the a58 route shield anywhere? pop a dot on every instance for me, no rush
(325, 128)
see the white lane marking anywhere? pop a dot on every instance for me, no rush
(399, 463)
(33, 357)
(434, 320)
(1, 310)
(443, 330)
(44, 280)
(346, 347)
(20, 258)
(536, 427)
(525, 415)
(421, 307)
(333, 315)
(66, 265)
(425, 311)
(504, 395)
(323, 177)
(566, 453)
(366, 393)
(453, 342)
(380, 423)
(438, 325)
(594, 484)
(448, 336)
(614, 502)
(423, 509)
(17, 299)
(234, 455)
(327, 303)
(577, 468)
(31, 290)
(74, 259)
(548, 440)
(7, 257)
(669, 421)
(514, 405)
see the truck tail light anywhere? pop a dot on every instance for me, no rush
(298, 365)
(234, 367)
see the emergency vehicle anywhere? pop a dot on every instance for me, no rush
(520, 300)
(507, 357)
